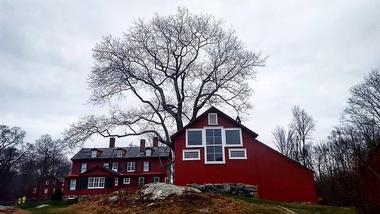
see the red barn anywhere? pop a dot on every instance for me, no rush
(214, 148)
(98, 171)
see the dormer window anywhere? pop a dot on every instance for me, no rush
(94, 153)
(119, 153)
(148, 152)
(212, 119)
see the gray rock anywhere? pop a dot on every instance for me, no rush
(161, 191)
(113, 199)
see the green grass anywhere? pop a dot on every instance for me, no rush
(53, 207)
(297, 207)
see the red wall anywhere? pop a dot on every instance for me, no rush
(277, 177)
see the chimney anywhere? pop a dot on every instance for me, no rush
(112, 142)
(155, 142)
(142, 145)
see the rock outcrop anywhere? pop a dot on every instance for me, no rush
(229, 188)
(161, 191)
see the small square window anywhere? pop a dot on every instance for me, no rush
(131, 166)
(193, 137)
(213, 119)
(126, 181)
(233, 137)
(156, 180)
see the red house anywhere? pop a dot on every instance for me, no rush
(214, 148)
(103, 170)
(46, 189)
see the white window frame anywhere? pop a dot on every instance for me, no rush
(146, 166)
(108, 165)
(222, 145)
(116, 181)
(115, 168)
(94, 153)
(46, 190)
(127, 180)
(83, 167)
(148, 152)
(73, 184)
(202, 138)
(156, 180)
(233, 145)
(97, 182)
(53, 190)
(119, 153)
(143, 181)
(209, 121)
(132, 169)
(237, 158)
(191, 150)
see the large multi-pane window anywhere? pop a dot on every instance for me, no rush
(214, 148)
(96, 182)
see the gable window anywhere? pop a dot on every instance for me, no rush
(213, 119)
(73, 184)
(141, 181)
(193, 137)
(191, 154)
(83, 167)
(131, 166)
(214, 147)
(96, 182)
(126, 181)
(106, 165)
(148, 152)
(156, 180)
(119, 153)
(146, 166)
(233, 137)
(237, 153)
(116, 182)
(94, 153)
(115, 166)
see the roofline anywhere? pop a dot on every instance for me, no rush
(212, 108)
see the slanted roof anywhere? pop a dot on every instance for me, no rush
(213, 109)
(131, 152)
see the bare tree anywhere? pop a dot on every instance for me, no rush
(284, 141)
(175, 66)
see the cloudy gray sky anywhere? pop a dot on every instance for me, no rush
(317, 50)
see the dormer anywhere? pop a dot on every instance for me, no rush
(95, 152)
(148, 151)
(120, 152)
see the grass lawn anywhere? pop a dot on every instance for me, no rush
(297, 207)
(53, 207)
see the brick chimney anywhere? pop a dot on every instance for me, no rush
(112, 142)
(142, 145)
(155, 142)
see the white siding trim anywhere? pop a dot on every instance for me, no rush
(191, 150)
(237, 158)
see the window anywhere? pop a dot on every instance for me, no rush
(47, 182)
(34, 190)
(214, 147)
(238, 153)
(213, 119)
(131, 166)
(83, 167)
(115, 166)
(94, 153)
(46, 190)
(191, 154)
(119, 153)
(53, 190)
(106, 165)
(148, 152)
(233, 137)
(141, 181)
(146, 166)
(126, 181)
(116, 182)
(96, 182)
(156, 180)
(73, 184)
(193, 137)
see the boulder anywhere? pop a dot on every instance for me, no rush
(161, 191)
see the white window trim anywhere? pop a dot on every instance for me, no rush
(81, 167)
(119, 153)
(233, 145)
(191, 150)
(144, 169)
(138, 181)
(134, 167)
(108, 165)
(156, 180)
(223, 145)
(117, 168)
(97, 187)
(73, 181)
(127, 180)
(94, 152)
(148, 152)
(194, 146)
(237, 158)
(116, 182)
(208, 118)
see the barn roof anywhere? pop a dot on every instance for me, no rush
(131, 152)
(213, 109)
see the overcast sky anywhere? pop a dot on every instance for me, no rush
(317, 50)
